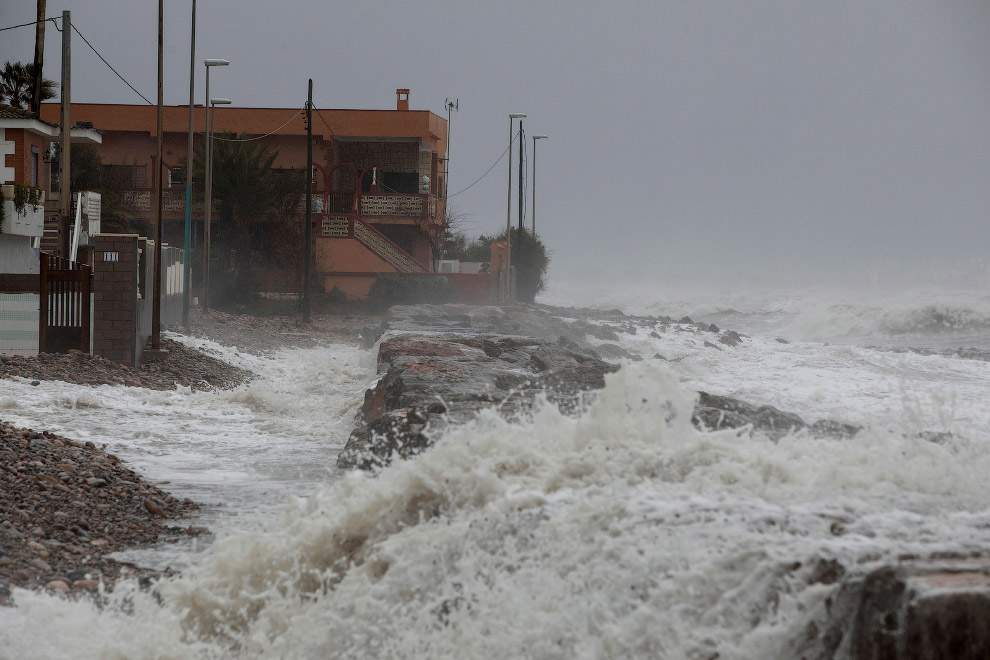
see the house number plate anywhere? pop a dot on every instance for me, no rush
(111, 256)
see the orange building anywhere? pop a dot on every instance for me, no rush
(378, 185)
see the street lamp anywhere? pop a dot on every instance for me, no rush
(208, 192)
(535, 138)
(187, 233)
(508, 215)
(209, 201)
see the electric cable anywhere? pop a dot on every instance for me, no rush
(13, 27)
(180, 123)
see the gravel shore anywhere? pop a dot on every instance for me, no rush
(65, 505)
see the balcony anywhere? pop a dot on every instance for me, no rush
(28, 221)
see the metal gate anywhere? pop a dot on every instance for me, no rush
(64, 321)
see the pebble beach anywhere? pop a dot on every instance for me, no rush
(67, 505)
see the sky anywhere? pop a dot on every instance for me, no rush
(710, 138)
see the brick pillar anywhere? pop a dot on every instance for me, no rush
(115, 262)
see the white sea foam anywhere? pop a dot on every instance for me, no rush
(622, 533)
(929, 318)
(240, 451)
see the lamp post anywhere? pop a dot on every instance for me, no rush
(209, 199)
(208, 192)
(187, 234)
(508, 217)
(535, 138)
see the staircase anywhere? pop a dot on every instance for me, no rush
(375, 241)
(49, 241)
(349, 226)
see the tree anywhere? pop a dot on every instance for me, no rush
(16, 82)
(440, 232)
(531, 260)
(247, 190)
(88, 173)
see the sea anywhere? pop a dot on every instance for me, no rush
(620, 532)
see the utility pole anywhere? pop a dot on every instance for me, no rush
(308, 269)
(65, 187)
(187, 237)
(522, 196)
(156, 305)
(39, 57)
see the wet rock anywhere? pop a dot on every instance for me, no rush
(730, 338)
(919, 610)
(153, 507)
(40, 564)
(717, 412)
(57, 585)
(88, 585)
(429, 381)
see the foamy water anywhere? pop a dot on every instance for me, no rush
(624, 532)
(240, 452)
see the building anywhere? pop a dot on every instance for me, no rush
(377, 184)
(27, 183)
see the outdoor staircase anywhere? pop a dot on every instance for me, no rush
(49, 240)
(378, 243)
(350, 226)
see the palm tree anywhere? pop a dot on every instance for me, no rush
(249, 194)
(16, 80)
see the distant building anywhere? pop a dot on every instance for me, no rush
(377, 186)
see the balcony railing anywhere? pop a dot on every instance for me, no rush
(369, 205)
(140, 200)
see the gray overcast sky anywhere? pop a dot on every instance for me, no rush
(708, 137)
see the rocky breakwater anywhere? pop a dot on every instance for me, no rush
(440, 365)
(65, 505)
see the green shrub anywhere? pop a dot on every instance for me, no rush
(390, 290)
(336, 295)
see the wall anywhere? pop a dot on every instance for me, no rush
(19, 323)
(474, 289)
(115, 297)
(7, 147)
(17, 255)
(347, 255)
(146, 288)
(19, 160)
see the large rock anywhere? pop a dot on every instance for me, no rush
(922, 610)
(430, 381)
(441, 364)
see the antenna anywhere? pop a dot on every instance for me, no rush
(448, 105)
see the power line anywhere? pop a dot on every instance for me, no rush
(487, 172)
(76, 30)
(180, 123)
(13, 27)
